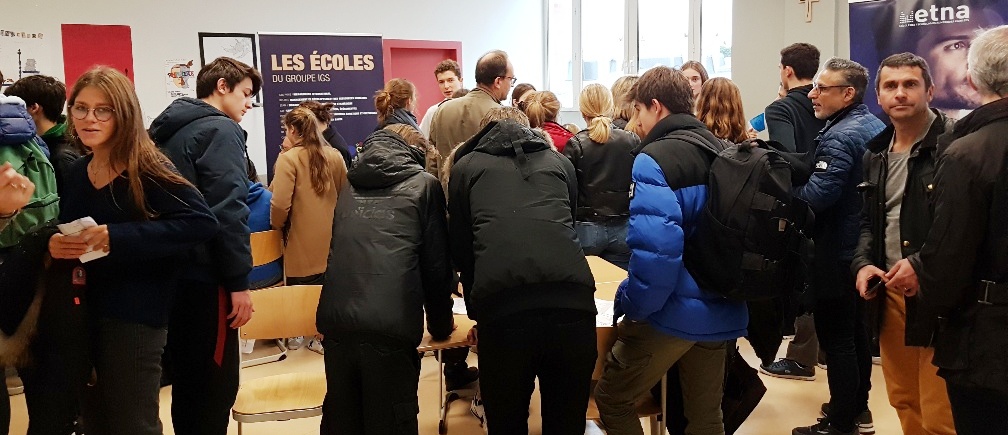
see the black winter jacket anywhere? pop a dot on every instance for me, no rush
(915, 217)
(332, 135)
(603, 174)
(208, 149)
(968, 243)
(388, 259)
(512, 225)
(792, 122)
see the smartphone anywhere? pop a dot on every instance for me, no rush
(874, 285)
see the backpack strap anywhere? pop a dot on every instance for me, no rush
(694, 138)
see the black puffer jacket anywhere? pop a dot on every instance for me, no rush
(388, 260)
(915, 218)
(512, 225)
(603, 174)
(968, 243)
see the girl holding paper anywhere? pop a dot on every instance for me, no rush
(148, 217)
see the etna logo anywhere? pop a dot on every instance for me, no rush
(934, 15)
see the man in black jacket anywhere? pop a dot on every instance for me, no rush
(963, 266)
(898, 181)
(524, 276)
(792, 122)
(202, 138)
(372, 305)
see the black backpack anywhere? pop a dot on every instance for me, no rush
(752, 240)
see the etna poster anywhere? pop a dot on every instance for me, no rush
(940, 31)
(345, 70)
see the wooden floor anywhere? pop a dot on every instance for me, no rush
(788, 403)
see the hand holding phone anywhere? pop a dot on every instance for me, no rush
(874, 285)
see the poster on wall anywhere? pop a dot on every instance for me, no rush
(940, 31)
(24, 52)
(345, 70)
(87, 45)
(180, 78)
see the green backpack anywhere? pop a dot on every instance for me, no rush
(29, 160)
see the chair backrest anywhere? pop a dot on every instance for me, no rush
(267, 247)
(287, 311)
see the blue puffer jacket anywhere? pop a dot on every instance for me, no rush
(16, 125)
(832, 188)
(667, 198)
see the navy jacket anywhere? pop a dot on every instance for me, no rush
(208, 148)
(832, 192)
(668, 195)
(136, 282)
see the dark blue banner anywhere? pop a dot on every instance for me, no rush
(940, 31)
(345, 70)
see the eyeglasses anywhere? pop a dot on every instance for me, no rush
(101, 113)
(820, 88)
(513, 79)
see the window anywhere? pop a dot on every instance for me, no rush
(612, 38)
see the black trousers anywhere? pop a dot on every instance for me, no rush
(127, 361)
(839, 323)
(978, 410)
(558, 347)
(204, 359)
(371, 383)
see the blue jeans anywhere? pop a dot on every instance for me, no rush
(606, 240)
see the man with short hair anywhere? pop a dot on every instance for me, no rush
(961, 272)
(204, 141)
(837, 94)
(791, 122)
(669, 318)
(898, 182)
(45, 97)
(459, 119)
(449, 79)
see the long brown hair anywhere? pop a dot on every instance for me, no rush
(621, 96)
(320, 166)
(130, 144)
(719, 107)
(597, 107)
(398, 93)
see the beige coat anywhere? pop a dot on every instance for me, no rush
(310, 216)
(459, 119)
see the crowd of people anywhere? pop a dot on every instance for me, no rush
(505, 202)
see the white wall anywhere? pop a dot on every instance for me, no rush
(763, 27)
(168, 30)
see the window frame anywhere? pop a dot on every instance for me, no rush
(631, 33)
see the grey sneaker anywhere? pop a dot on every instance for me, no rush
(295, 343)
(788, 369)
(865, 423)
(316, 346)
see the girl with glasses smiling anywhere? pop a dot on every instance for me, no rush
(148, 217)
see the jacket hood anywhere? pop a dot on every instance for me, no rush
(385, 160)
(673, 122)
(505, 138)
(180, 113)
(16, 125)
(800, 95)
(255, 191)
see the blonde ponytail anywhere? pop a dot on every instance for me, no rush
(597, 107)
(599, 129)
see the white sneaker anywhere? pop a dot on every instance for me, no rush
(316, 346)
(295, 343)
(246, 346)
(476, 409)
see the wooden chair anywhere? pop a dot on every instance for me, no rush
(286, 311)
(267, 247)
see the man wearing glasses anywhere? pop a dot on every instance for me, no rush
(837, 93)
(459, 119)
